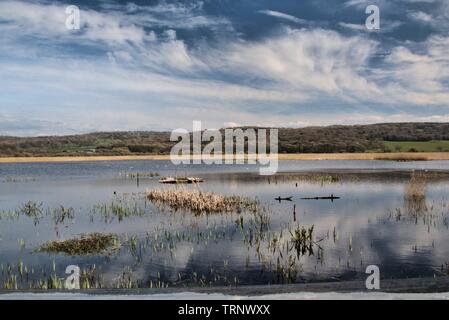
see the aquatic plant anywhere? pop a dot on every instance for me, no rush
(9, 215)
(94, 243)
(119, 208)
(91, 278)
(126, 279)
(415, 194)
(416, 188)
(61, 214)
(302, 240)
(287, 271)
(200, 202)
(33, 210)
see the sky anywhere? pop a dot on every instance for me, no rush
(159, 65)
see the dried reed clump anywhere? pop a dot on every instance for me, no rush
(415, 193)
(416, 188)
(94, 243)
(200, 202)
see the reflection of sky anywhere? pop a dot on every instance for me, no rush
(53, 171)
(362, 214)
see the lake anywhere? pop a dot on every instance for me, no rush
(391, 214)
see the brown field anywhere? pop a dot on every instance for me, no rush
(400, 156)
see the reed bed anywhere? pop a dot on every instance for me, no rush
(200, 202)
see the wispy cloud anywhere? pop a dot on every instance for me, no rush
(283, 16)
(160, 66)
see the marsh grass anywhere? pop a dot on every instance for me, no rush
(20, 276)
(91, 244)
(91, 278)
(302, 240)
(61, 214)
(119, 208)
(31, 209)
(37, 212)
(287, 270)
(9, 215)
(200, 202)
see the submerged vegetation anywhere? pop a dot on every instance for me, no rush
(201, 202)
(94, 243)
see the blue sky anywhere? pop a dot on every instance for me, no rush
(159, 65)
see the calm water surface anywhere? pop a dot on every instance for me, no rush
(371, 223)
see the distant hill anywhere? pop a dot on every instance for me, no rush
(384, 137)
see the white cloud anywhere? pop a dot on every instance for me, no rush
(351, 3)
(140, 70)
(113, 27)
(231, 125)
(308, 61)
(281, 15)
(172, 15)
(420, 16)
(47, 21)
(352, 26)
(420, 78)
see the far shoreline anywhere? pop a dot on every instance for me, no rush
(398, 156)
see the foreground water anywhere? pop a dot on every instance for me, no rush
(373, 222)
